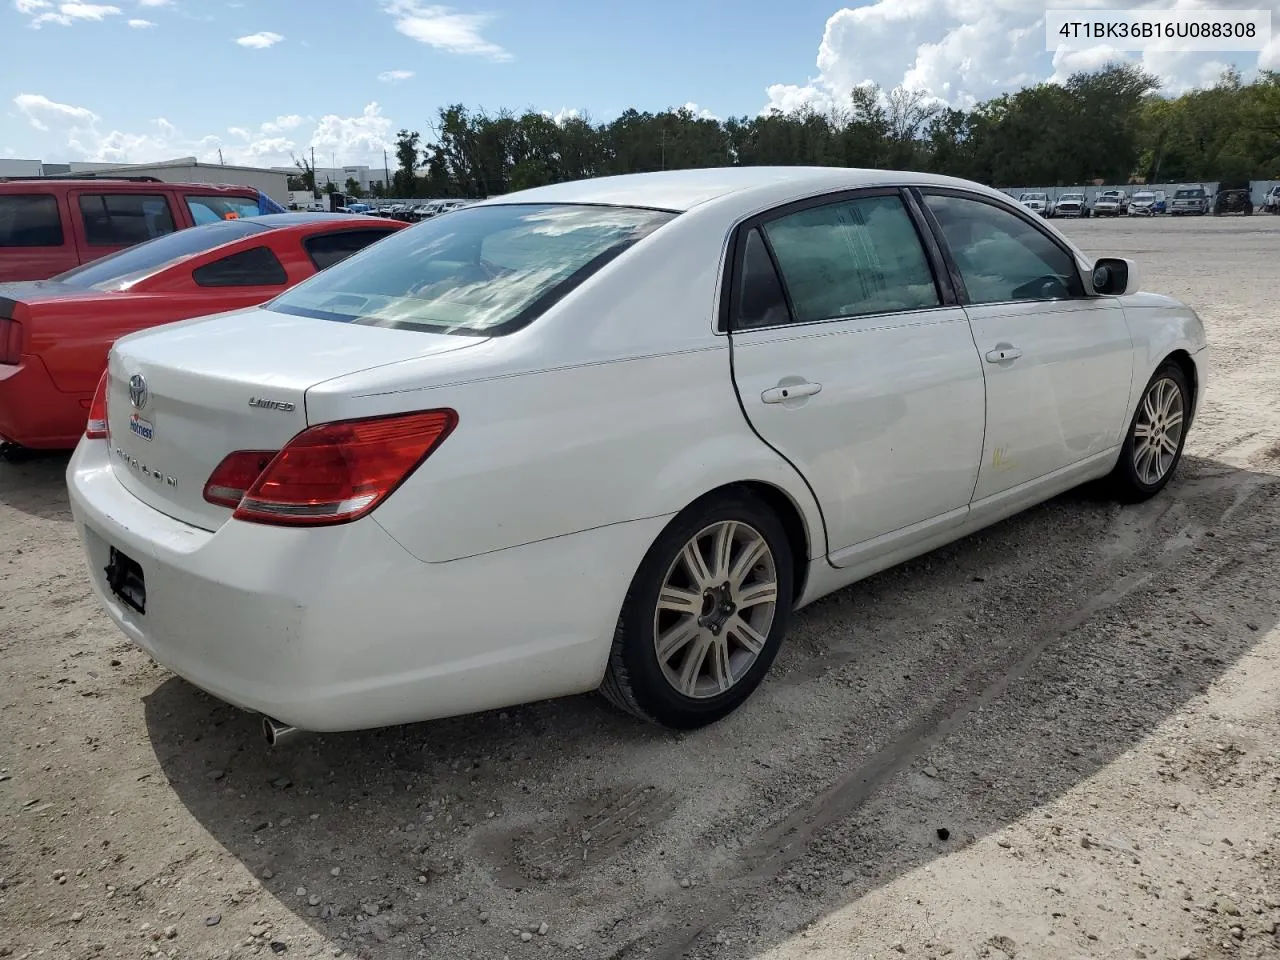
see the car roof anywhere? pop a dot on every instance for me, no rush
(681, 190)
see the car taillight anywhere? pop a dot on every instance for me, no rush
(96, 428)
(10, 341)
(333, 472)
(232, 478)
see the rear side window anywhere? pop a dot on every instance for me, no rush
(481, 271)
(255, 267)
(326, 249)
(852, 258)
(761, 301)
(30, 220)
(213, 209)
(115, 220)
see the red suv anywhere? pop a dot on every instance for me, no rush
(50, 225)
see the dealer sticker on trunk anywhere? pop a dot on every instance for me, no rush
(141, 428)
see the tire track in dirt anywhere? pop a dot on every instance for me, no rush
(667, 930)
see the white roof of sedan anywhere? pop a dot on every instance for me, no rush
(682, 189)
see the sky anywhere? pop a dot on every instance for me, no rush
(148, 80)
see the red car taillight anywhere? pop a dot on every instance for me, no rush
(10, 341)
(330, 473)
(96, 428)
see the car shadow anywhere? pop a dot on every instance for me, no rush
(1030, 655)
(34, 482)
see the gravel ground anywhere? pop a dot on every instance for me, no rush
(1059, 738)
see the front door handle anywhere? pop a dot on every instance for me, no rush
(1002, 353)
(790, 391)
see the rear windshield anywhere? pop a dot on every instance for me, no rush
(1073, 197)
(481, 271)
(126, 267)
(1033, 196)
(1188, 194)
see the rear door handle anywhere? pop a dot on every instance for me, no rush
(1002, 353)
(791, 391)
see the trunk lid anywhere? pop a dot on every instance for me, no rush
(181, 397)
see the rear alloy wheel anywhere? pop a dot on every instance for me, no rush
(705, 614)
(1153, 446)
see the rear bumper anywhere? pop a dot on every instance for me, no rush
(36, 414)
(340, 628)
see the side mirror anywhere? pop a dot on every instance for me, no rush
(1114, 276)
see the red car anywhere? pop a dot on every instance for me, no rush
(55, 334)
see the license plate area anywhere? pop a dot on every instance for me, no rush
(125, 580)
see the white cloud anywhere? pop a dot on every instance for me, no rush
(77, 133)
(700, 112)
(394, 76)
(260, 40)
(563, 115)
(40, 112)
(154, 3)
(64, 14)
(141, 24)
(964, 51)
(445, 29)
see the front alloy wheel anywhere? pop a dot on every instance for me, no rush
(705, 614)
(1157, 433)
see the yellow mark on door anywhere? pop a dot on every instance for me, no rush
(1000, 459)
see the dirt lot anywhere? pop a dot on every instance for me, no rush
(1057, 739)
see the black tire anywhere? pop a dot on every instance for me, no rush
(1125, 482)
(634, 680)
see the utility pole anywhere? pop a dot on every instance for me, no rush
(221, 162)
(386, 173)
(315, 187)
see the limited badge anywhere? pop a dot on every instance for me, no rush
(141, 428)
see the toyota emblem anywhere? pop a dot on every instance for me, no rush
(137, 391)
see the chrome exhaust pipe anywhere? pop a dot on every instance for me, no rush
(273, 731)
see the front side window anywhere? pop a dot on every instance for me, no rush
(30, 220)
(481, 271)
(852, 258)
(120, 220)
(1001, 257)
(326, 249)
(213, 209)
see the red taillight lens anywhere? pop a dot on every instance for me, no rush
(10, 341)
(232, 478)
(336, 472)
(96, 428)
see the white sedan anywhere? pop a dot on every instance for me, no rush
(608, 435)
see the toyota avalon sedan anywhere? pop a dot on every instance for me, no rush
(608, 435)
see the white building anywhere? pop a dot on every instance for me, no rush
(338, 176)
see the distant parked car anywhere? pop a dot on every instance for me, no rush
(1271, 200)
(1188, 201)
(1037, 203)
(1148, 203)
(1071, 205)
(1111, 203)
(505, 455)
(55, 334)
(1233, 200)
(49, 225)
